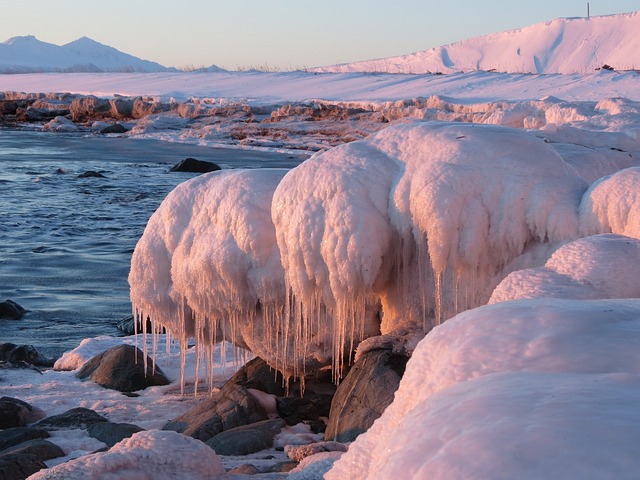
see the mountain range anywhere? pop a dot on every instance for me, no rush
(27, 54)
(563, 45)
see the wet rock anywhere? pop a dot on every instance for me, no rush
(246, 439)
(23, 354)
(11, 310)
(364, 394)
(71, 419)
(16, 413)
(259, 375)
(122, 368)
(18, 466)
(91, 174)
(231, 407)
(15, 436)
(112, 433)
(114, 128)
(196, 166)
(245, 469)
(42, 449)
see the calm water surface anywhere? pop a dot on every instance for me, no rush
(66, 242)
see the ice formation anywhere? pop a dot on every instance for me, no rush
(599, 266)
(147, 455)
(521, 389)
(396, 232)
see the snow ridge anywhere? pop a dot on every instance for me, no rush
(563, 45)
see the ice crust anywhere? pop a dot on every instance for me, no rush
(396, 232)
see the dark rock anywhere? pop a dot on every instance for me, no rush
(27, 354)
(71, 419)
(281, 467)
(15, 436)
(112, 433)
(259, 375)
(240, 442)
(231, 407)
(193, 165)
(16, 413)
(91, 174)
(19, 466)
(121, 107)
(246, 439)
(310, 407)
(115, 128)
(122, 368)
(43, 449)
(364, 394)
(11, 310)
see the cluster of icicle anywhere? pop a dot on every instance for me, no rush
(394, 233)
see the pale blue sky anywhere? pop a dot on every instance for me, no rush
(280, 33)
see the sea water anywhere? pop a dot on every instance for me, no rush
(66, 242)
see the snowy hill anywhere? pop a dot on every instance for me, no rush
(27, 54)
(564, 45)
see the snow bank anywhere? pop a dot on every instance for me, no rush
(521, 389)
(399, 231)
(153, 454)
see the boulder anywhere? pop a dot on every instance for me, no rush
(11, 310)
(196, 166)
(299, 452)
(75, 418)
(14, 436)
(144, 107)
(18, 466)
(121, 107)
(42, 449)
(246, 439)
(114, 128)
(27, 354)
(112, 433)
(259, 375)
(364, 394)
(16, 413)
(89, 108)
(230, 407)
(122, 368)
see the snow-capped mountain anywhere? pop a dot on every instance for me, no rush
(564, 45)
(27, 54)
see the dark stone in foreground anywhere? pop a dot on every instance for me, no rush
(112, 433)
(16, 413)
(115, 128)
(196, 166)
(364, 394)
(71, 419)
(43, 449)
(11, 310)
(122, 368)
(15, 436)
(16, 354)
(259, 375)
(231, 407)
(18, 466)
(246, 439)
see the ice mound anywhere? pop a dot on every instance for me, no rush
(396, 232)
(148, 455)
(612, 204)
(599, 266)
(522, 389)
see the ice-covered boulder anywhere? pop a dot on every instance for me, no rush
(525, 389)
(399, 231)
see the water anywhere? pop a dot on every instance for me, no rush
(66, 242)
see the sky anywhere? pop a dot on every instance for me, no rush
(281, 34)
